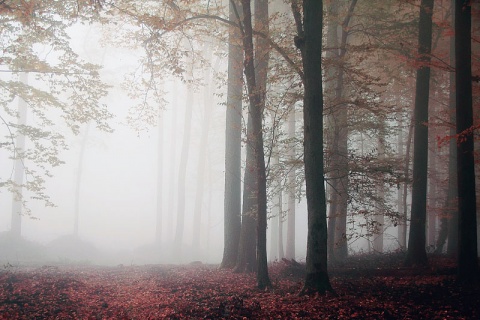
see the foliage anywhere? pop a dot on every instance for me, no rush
(62, 89)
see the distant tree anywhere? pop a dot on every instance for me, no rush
(467, 223)
(339, 132)
(182, 172)
(290, 244)
(416, 253)
(17, 207)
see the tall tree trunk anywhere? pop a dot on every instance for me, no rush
(160, 177)
(416, 253)
(290, 245)
(233, 131)
(402, 228)
(78, 181)
(379, 218)
(432, 195)
(467, 219)
(256, 92)
(173, 160)
(182, 172)
(202, 157)
(246, 260)
(17, 206)
(452, 194)
(309, 41)
(339, 146)
(276, 211)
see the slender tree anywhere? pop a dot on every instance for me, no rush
(416, 253)
(256, 102)
(290, 245)
(467, 223)
(17, 204)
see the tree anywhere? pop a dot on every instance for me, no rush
(256, 103)
(467, 224)
(16, 225)
(339, 141)
(233, 132)
(183, 167)
(290, 245)
(416, 253)
(65, 86)
(309, 41)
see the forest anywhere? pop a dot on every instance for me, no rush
(239, 159)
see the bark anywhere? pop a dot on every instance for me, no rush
(309, 41)
(416, 253)
(467, 224)
(233, 131)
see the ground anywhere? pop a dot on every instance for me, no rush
(367, 287)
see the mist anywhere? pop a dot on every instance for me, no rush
(119, 172)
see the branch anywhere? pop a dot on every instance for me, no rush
(233, 24)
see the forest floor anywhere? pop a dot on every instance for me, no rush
(367, 287)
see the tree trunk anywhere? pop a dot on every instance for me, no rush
(79, 180)
(309, 41)
(467, 222)
(202, 157)
(182, 172)
(416, 253)
(172, 165)
(246, 260)
(17, 204)
(233, 131)
(159, 222)
(379, 217)
(401, 235)
(276, 209)
(290, 245)
(256, 103)
(452, 194)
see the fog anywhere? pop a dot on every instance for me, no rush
(118, 179)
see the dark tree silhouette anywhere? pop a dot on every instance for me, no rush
(416, 253)
(467, 224)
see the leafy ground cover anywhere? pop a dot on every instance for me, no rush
(366, 288)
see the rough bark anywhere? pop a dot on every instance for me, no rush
(416, 253)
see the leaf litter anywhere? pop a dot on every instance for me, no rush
(366, 288)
